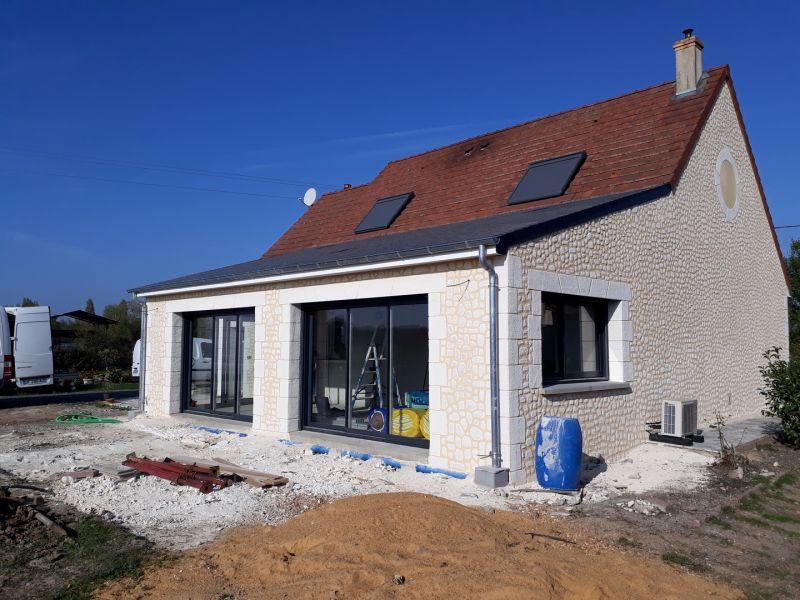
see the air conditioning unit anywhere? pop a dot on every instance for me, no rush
(679, 418)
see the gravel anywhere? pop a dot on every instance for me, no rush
(180, 517)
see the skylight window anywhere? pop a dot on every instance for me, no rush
(547, 178)
(384, 212)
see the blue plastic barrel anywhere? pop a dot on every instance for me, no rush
(559, 450)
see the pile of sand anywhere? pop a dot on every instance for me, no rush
(355, 548)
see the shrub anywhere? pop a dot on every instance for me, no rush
(782, 391)
(114, 375)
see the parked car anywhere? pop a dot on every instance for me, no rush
(26, 346)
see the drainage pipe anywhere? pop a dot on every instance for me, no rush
(142, 356)
(494, 376)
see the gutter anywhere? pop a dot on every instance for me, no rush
(494, 476)
(329, 272)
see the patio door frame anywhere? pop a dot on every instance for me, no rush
(186, 363)
(306, 381)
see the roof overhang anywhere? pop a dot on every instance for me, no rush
(325, 272)
(455, 241)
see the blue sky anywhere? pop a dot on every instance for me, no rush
(96, 95)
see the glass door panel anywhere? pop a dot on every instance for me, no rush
(409, 354)
(369, 368)
(247, 348)
(202, 332)
(225, 349)
(368, 362)
(329, 368)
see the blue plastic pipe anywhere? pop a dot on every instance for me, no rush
(356, 455)
(427, 469)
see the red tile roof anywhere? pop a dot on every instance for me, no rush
(635, 141)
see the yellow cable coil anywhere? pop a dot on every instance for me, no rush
(425, 425)
(405, 422)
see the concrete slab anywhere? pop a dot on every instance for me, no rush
(741, 433)
(214, 422)
(338, 442)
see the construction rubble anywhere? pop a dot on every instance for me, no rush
(179, 484)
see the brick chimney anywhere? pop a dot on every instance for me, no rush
(688, 62)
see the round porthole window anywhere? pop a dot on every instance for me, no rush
(727, 180)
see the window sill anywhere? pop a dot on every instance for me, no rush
(584, 386)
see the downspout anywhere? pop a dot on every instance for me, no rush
(143, 356)
(495, 476)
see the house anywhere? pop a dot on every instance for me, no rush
(591, 263)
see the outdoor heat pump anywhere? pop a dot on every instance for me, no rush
(679, 418)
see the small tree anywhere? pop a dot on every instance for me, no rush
(90, 306)
(28, 302)
(782, 391)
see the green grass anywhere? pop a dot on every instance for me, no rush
(765, 525)
(111, 405)
(750, 503)
(106, 552)
(760, 479)
(628, 543)
(780, 496)
(676, 558)
(719, 522)
(785, 479)
(779, 518)
(755, 592)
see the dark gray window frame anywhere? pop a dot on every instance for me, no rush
(600, 309)
(394, 204)
(548, 178)
(307, 361)
(186, 363)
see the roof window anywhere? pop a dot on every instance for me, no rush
(547, 178)
(384, 212)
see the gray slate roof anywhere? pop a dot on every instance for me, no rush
(501, 231)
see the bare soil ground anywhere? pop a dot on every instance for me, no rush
(746, 532)
(38, 562)
(624, 540)
(413, 546)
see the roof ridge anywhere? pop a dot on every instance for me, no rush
(544, 117)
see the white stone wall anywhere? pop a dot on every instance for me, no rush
(695, 298)
(458, 348)
(707, 297)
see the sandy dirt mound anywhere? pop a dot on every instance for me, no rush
(412, 546)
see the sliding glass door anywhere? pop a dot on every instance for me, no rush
(218, 363)
(366, 369)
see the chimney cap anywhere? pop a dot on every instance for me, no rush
(689, 32)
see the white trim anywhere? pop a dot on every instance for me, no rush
(406, 285)
(729, 212)
(240, 300)
(619, 327)
(394, 264)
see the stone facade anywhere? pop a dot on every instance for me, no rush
(694, 299)
(458, 348)
(707, 297)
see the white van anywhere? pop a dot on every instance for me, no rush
(137, 358)
(26, 346)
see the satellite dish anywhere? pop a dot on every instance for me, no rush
(310, 196)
